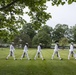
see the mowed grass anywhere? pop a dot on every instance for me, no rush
(36, 67)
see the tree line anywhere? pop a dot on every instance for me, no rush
(45, 35)
(13, 26)
(11, 12)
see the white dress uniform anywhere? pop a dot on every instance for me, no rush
(71, 51)
(38, 52)
(25, 52)
(56, 52)
(11, 53)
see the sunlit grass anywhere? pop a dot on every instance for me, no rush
(37, 67)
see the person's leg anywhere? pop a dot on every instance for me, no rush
(8, 55)
(23, 55)
(36, 55)
(41, 56)
(69, 55)
(27, 56)
(13, 55)
(53, 55)
(58, 55)
(74, 54)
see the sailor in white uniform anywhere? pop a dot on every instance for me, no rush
(71, 51)
(39, 54)
(56, 51)
(11, 53)
(25, 52)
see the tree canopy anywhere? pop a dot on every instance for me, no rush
(43, 36)
(11, 11)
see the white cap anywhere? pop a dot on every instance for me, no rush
(27, 43)
(12, 43)
(71, 42)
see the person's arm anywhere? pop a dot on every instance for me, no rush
(13, 48)
(27, 48)
(40, 48)
(10, 47)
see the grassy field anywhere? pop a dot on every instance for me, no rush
(36, 67)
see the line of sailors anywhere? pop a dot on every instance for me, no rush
(39, 54)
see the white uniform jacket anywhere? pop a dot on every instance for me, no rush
(71, 48)
(39, 48)
(12, 48)
(25, 48)
(56, 47)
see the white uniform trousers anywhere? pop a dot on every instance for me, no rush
(11, 53)
(23, 55)
(71, 53)
(39, 54)
(56, 52)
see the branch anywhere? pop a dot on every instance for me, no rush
(8, 5)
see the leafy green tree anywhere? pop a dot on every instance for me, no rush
(69, 34)
(47, 29)
(74, 33)
(58, 32)
(43, 36)
(63, 42)
(62, 2)
(11, 12)
(25, 35)
(29, 30)
(61, 31)
(66, 28)
(22, 39)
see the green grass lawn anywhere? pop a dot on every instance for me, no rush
(36, 67)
